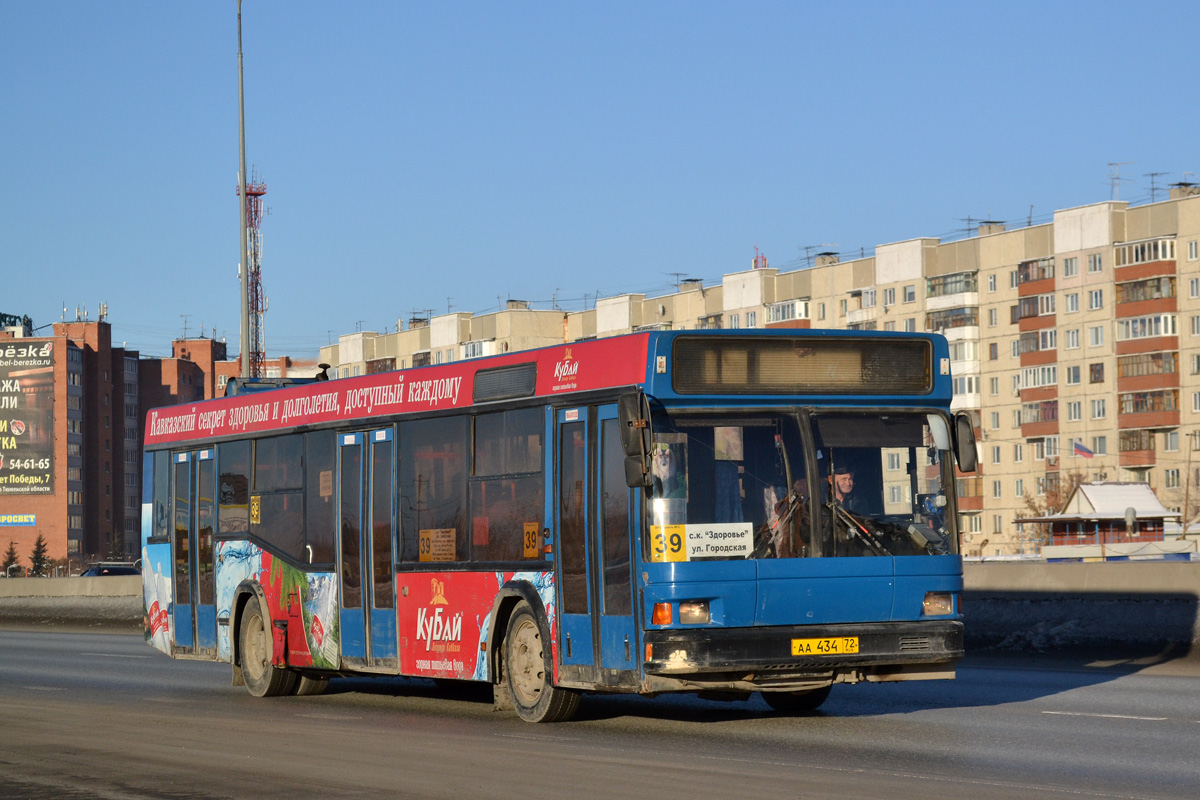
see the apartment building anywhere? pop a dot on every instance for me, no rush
(1075, 344)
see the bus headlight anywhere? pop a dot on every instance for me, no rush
(694, 612)
(937, 604)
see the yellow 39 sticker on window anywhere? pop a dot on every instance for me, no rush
(668, 543)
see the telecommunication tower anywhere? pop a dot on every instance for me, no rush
(256, 303)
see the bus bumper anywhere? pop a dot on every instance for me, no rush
(788, 657)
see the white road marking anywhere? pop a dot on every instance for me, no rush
(1105, 716)
(111, 655)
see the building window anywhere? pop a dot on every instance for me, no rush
(1018, 453)
(734, 322)
(842, 308)
(1096, 336)
(992, 282)
(1100, 445)
(1194, 288)
(890, 325)
(994, 386)
(1145, 327)
(1095, 263)
(1195, 326)
(751, 319)
(996, 454)
(1193, 250)
(993, 351)
(910, 293)
(820, 311)
(781, 312)
(1143, 253)
(1072, 339)
(1099, 409)
(1172, 478)
(1074, 411)
(1171, 441)
(910, 325)
(1071, 303)
(889, 297)
(1095, 299)
(1070, 267)
(995, 420)
(1019, 487)
(997, 490)
(992, 316)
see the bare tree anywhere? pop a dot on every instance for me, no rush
(1052, 502)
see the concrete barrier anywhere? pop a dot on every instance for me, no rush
(1136, 608)
(109, 586)
(1129, 607)
(108, 603)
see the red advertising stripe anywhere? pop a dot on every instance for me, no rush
(582, 366)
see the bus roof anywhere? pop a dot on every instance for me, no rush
(638, 359)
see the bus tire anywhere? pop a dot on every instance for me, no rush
(797, 702)
(528, 671)
(263, 679)
(308, 687)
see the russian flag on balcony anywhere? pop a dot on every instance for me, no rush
(1080, 450)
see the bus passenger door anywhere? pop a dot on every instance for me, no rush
(572, 513)
(195, 612)
(614, 573)
(365, 524)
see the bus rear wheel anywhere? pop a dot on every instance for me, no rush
(263, 679)
(528, 672)
(307, 687)
(797, 702)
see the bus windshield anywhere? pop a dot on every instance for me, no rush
(752, 486)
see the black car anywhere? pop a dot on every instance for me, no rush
(97, 570)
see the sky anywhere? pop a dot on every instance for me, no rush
(431, 157)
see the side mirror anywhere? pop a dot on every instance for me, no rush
(964, 442)
(633, 410)
(636, 474)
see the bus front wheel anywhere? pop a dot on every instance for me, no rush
(528, 672)
(797, 702)
(263, 679)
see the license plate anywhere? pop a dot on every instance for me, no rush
(833, 645)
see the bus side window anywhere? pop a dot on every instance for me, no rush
(319, 461)
(507, 489)
(433, 489)
(233, 488)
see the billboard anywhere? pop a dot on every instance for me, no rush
(27, 417)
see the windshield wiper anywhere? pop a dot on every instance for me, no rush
(856, 529)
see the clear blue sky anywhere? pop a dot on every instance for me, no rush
(416, 152)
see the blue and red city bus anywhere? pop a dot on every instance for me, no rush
(716, 512)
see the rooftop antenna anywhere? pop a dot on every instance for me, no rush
(448, 306)
(969, 220)
(808, 248)
(185, 324)
(1114, 178)
(1029, 222)
(1153, 188)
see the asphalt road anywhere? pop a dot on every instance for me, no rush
(104, 716)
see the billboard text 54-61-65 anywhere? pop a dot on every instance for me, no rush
(27, 417)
